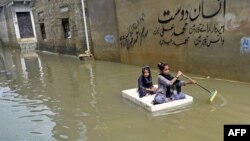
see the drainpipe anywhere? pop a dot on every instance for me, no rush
(85, 27)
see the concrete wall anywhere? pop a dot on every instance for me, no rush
(1, 46)
(195, 36)
(9, 25)
(52, 19)
(2, 66)
(3, 26)
(103, 23)
(11, 34)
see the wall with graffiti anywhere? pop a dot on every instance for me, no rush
(103, 27)
(134, 34)
(181, 26)
(196, 36)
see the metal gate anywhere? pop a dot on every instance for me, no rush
(25, 25)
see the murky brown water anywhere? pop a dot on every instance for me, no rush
(57, 98)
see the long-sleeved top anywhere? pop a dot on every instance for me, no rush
(163, 83)
(144, 83)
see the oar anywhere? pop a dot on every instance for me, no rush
(212, 94)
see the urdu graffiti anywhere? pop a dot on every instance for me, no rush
(190, 25)
(135, 34)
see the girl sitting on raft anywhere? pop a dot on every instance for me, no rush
(167, 84)
(145, 83)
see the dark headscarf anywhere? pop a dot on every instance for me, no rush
(147, 81)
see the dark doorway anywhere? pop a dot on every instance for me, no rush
(66, 28)
(25, 25)
(42, 27)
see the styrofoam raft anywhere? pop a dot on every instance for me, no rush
(146, 101)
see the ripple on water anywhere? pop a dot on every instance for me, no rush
(37, 133)
(38, 120)
(64, 136)
(82, 114)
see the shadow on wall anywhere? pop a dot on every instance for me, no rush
(1, 44)
(2, 66)
(1, 56)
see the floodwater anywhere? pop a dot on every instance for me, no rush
(47, 97)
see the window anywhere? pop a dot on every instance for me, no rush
(64, 9)
(41, 14)
(66, 29)
(42, 27)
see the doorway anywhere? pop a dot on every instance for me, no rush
(25, 25)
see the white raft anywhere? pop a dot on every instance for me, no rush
(146, 101)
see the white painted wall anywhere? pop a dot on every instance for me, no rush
(22, 8)
(3, 27)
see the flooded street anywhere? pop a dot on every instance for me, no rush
(56, 98)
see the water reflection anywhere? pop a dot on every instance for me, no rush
(36, 99)
(26, 115)
(7, 65)
(64, 85)
(94, 100)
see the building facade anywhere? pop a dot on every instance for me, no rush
(195, 36)
(60, 26)
(210, 38)
(17, 23)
